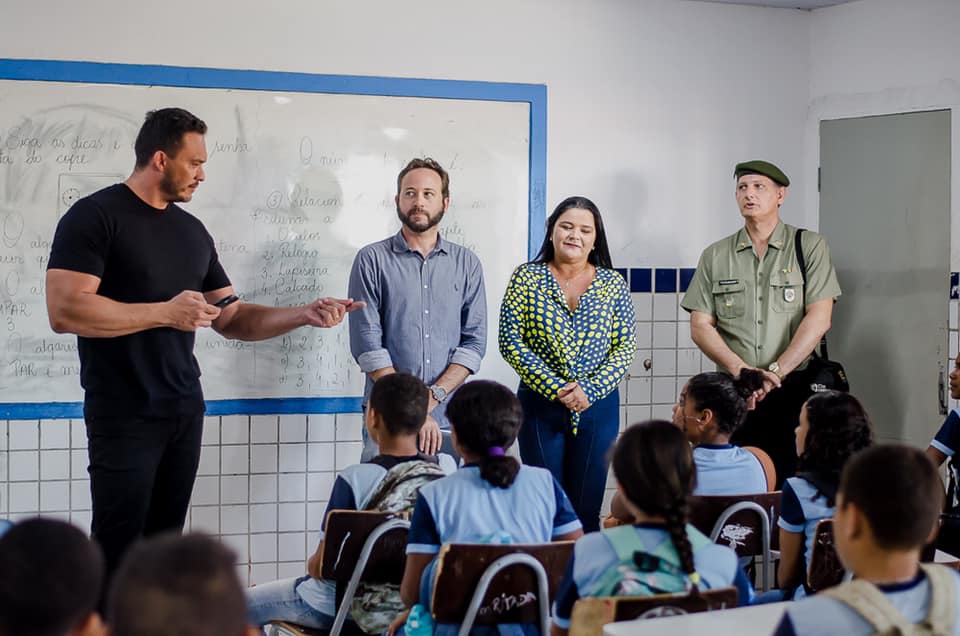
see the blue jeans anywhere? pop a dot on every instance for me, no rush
(279, 601)
(578, 462)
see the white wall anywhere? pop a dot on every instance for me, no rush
(877, 57)
(651, 102)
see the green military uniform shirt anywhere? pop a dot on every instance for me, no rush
(759, 303)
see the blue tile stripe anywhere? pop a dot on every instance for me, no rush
(640, 280)
(666, 280)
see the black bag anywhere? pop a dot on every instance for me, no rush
(821, 373)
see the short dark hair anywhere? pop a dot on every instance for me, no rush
(600, 255)
(164, 129)
(430, 164)
(51, 577)
(486, 415)
(899, 492)
(172, 584)
(724, 395)
(401, 400)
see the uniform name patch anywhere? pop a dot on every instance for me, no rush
(729, 281)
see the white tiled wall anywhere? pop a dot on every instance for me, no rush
(264, 480)
(262, 484)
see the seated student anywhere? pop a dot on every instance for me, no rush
(184, 585)
(887, 509)
(655, 474)
(833, 426)
(50, 580)
(947, 440)
(945, 444)
(492, 498)
(711, 407)
(396, 411)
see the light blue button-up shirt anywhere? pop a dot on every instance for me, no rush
(421, 315)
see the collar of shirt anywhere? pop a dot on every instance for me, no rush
(399, 244)
(778, 238)
(715, 446)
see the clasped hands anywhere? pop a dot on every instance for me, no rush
(572, 396)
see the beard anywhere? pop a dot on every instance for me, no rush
(170, 192)
(421, 226)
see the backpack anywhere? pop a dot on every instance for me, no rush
(640, 573)
(375, 605)
(872, 604)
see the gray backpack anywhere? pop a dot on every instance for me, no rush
(375, 605)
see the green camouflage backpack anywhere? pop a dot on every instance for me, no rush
(375, 605)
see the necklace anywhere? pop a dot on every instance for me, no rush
(565, 283)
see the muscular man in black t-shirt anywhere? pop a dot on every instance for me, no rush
(134, 276)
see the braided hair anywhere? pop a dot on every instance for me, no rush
(725, 395)
(653, 464)
(838, 427)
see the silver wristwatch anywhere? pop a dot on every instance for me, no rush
(438, 392)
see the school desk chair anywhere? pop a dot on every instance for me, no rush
(591, 614)
(359, 546)
(489, 584)
(825, 569)
(742, 522)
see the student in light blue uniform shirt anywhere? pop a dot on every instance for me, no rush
(492, 498)
(889, 501)
(655, 474)
(947, 440)
(397, 409)
(711, 407)
(833, 426)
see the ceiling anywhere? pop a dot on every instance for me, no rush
(786, 4)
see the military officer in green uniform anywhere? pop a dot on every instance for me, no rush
(748, 308)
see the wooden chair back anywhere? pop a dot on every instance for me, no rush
(742, 531)
(512, 596)
(824, 569)
(591, 614)
(346, 533)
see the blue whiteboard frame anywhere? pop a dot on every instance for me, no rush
(152, 75)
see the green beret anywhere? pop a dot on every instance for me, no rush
(758, 166)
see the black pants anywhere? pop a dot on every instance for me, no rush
(772, 424)
(141, 477)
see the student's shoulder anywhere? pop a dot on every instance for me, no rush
(364, 470)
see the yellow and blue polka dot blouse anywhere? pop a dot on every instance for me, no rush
(549, 346)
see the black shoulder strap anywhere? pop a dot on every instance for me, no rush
(801, 261)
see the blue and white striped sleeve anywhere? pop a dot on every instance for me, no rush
(791, 518)
(947, 438)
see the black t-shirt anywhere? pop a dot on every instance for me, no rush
(141, 255)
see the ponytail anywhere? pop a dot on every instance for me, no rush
(724, 395)
(499, 471)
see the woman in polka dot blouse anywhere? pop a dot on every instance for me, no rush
(567, 329)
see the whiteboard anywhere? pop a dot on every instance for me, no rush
(301, 173)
